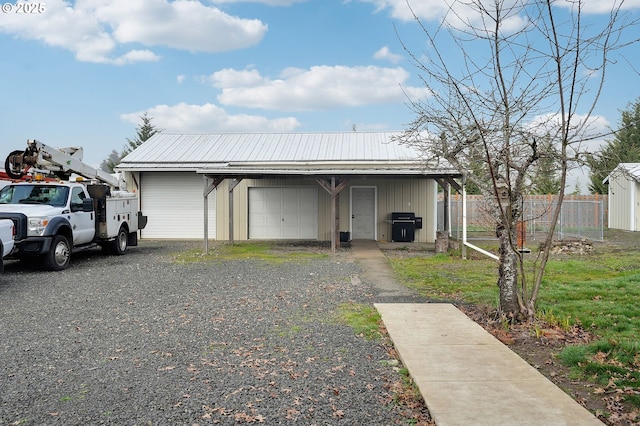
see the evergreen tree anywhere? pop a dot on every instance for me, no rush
(144, 131)
(109, 163)
(624, 148)
(478, 167)
(577, 190)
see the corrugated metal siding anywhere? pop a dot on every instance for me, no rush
(407, 195)
(624, 192)
(416, 195)
(413, 195)
(621, 193)
(636, 208)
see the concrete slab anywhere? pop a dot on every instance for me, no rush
(467, 376)
(462, 362)
(444, 325)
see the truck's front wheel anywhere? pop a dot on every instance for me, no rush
(119, 245)
(59, 255)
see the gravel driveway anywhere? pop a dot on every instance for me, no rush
(141, 339)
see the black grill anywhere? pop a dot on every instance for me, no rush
(403, 226)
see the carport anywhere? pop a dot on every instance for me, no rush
(333, 178)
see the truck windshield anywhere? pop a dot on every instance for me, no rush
(53, 195)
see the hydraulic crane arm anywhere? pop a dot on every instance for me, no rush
(61, 162)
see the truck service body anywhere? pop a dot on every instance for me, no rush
(54, 218)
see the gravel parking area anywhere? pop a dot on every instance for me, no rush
(143, 340)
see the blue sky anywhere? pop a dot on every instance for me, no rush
(81, 73)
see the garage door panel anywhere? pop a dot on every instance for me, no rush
(283, 213)
(173, 202)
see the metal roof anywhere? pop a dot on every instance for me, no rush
(630, 170)
(277, 153)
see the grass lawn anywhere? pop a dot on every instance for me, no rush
(262, 250)
(599, 291)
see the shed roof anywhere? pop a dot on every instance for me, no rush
(280, 153)
(630, 170)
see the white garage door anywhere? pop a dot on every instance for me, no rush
(174, 204)
(283, 213)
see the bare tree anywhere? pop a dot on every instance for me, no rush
(526, 76)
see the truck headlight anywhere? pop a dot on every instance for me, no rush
(36, 226)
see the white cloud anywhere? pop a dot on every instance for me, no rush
(229, 78)
(458, 11)
(457, 14)
(600, 6)
(62, 26)
(136, 56)
(181, 24)
(267, 2)
(318, 88)
(95, 29)
(181, 78)
(186, 118)
(587, 131)
(385, 54)
(425, 9)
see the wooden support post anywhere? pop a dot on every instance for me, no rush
(207, 190)
(446, 185)
(334, 226)
(334, 188)
(232, 185)
(446, 191)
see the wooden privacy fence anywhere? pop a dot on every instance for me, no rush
(582, 216)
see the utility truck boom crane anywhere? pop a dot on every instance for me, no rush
(61, 162)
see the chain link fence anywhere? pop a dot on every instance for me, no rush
(581, 217)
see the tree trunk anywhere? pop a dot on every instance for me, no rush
(508, 275)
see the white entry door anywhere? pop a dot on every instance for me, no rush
(363, 213)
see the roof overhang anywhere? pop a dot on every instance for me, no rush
(158, 167)
(356, 168)
(408, 168)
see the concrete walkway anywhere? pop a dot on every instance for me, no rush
(377, 272)
(465, 375)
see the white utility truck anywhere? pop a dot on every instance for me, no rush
(7, 232)
(54, 216)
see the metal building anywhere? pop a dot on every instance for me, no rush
(309, 186)
(624, 197)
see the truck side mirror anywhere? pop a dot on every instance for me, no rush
(85, 206)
